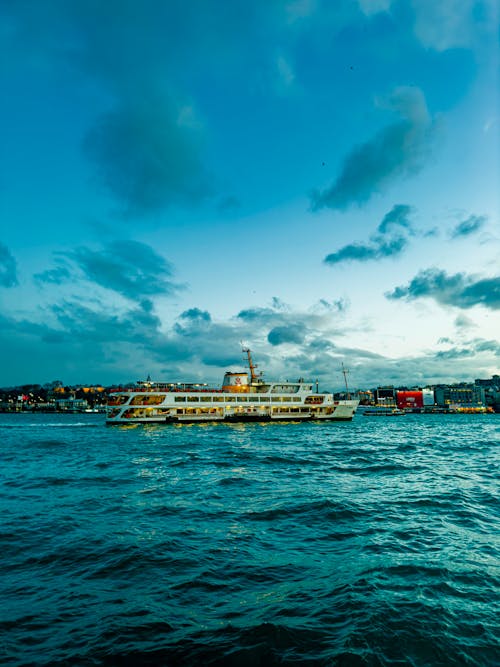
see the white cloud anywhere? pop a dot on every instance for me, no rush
(300, 9)
(370, 7)
(285, 71)
(448, 24)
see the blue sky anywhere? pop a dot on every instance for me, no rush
(316, 179)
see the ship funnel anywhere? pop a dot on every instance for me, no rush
(235, 382)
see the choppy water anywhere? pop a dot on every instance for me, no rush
(374, 542)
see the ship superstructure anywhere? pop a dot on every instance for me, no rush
(244, 396)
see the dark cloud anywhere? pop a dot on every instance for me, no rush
(127, 342)
(469, 226)
(99, 324)
(455, 353)
(339, 305)
(142, 60)
(391, 240)
(487, 346)
(146, 156)
(191, 321)
(130, 268)
(8, 268)
(398, 216)
(88, 343)
(470, 349)
(28, 328)
(57, 276)
(146, 145)
(96, 343)
(455, 290)
(362, 252)
(462, 322)
(257, 314)
(398, 150)
(196, 315)
(282, 324)
(286, 334)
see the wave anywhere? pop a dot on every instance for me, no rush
(366, 544)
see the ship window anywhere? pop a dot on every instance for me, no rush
(277, 399)
(315, 399)
(230, 399)
(264, 399)
(218, 399)
(242, 398)
(287, 398)
(193, 399)
(118, 400)
(147, 399)
(285, 388)
(180, 399)
(296, 399)
(206, 399)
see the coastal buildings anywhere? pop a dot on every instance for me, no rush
(52, 397)
(482, 393)
(463, 396)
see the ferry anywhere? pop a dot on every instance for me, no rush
(374, 411)
(243, 397)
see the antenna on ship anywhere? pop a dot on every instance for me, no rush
(344, 373)
(253, 375)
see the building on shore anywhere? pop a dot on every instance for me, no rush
(71, 405)
(461, 395)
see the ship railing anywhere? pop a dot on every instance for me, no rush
(166, 388)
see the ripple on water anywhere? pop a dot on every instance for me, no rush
(369, 543)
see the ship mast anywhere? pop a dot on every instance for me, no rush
(253, 375)
(344, 373)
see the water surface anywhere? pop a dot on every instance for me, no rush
(374, 542)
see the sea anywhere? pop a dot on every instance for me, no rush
(371, 542)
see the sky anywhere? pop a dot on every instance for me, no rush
(316, 180)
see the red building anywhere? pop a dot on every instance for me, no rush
(409, 399)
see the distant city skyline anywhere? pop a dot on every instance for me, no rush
(317, 181)
(60, 385)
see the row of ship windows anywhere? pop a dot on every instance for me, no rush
(239, 399)
(151, 412)
(157, 399)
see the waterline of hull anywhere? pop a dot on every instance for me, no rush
(202, 419)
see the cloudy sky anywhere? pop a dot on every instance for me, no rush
(316, 179)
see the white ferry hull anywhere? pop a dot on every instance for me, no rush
(341, 411)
